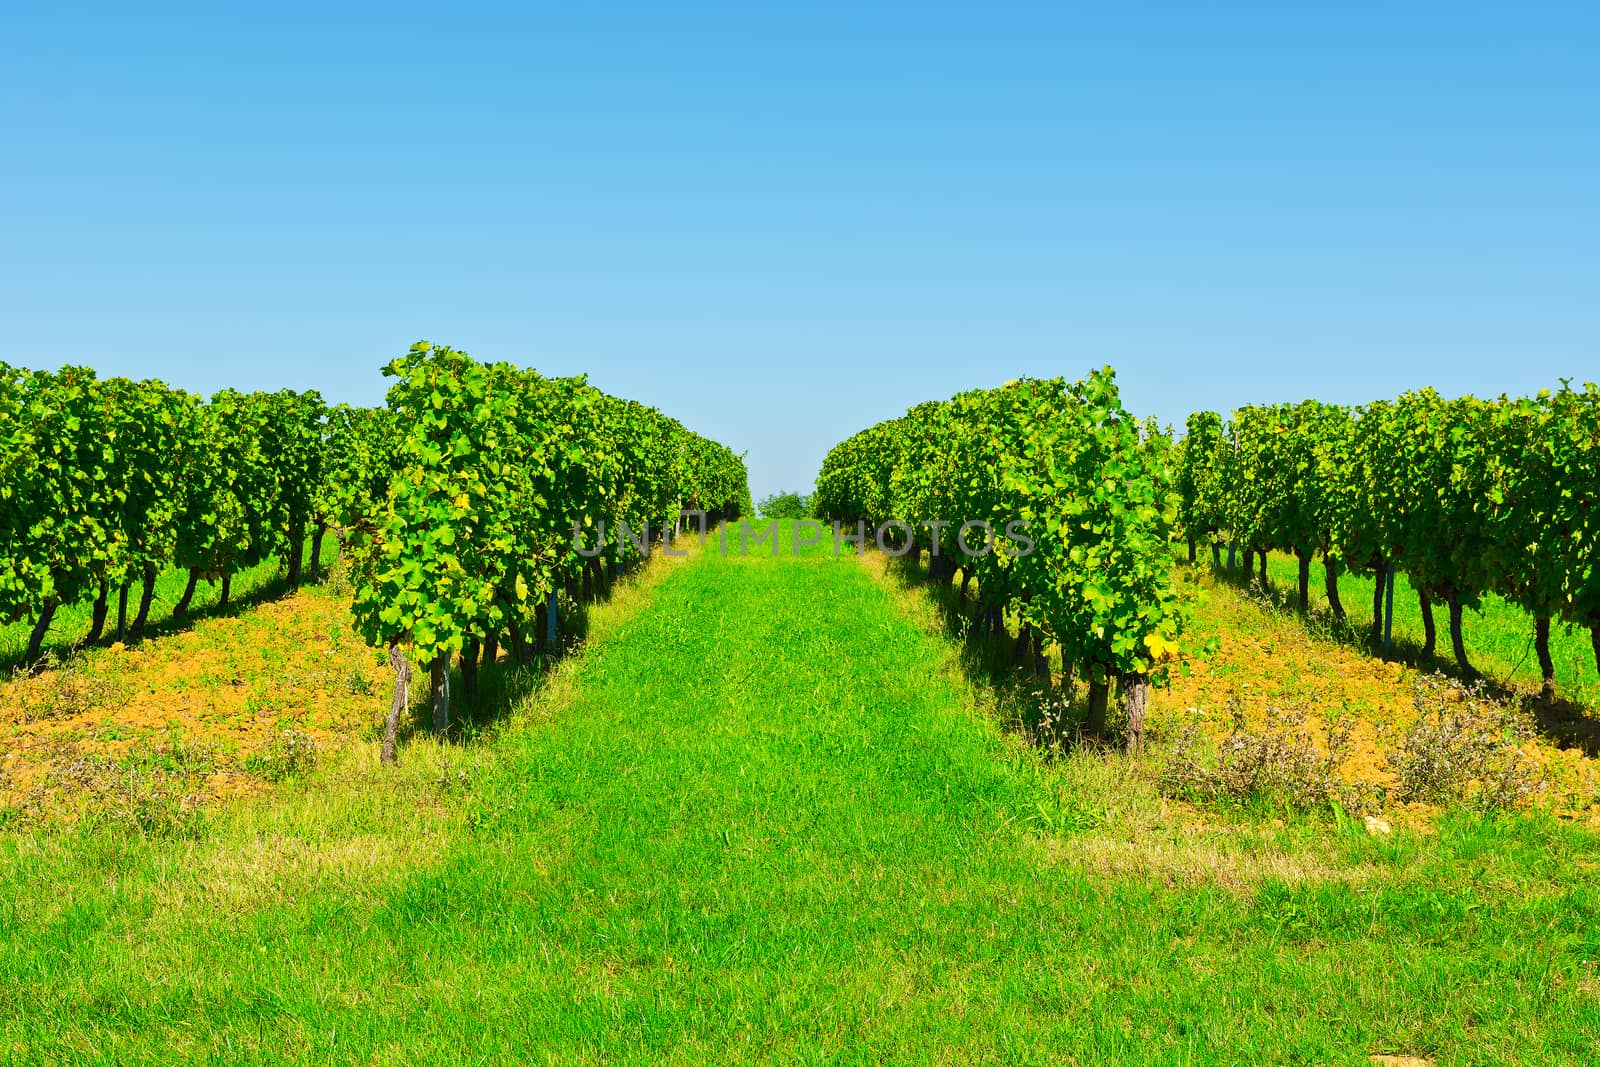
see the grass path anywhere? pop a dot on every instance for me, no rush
(762, 821)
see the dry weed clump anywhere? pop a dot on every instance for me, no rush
(292, 754)
(152, 798)
(1463, 746)
(1278, 763)
(153, 791)
(70, 687)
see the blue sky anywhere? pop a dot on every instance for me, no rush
(783, 225)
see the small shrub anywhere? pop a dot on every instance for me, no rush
(785, 504)
(1463, 746)
(1277, 764)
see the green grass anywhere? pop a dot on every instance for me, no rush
(764, 817)
(71, 623)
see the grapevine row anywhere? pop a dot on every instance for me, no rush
(496, 469)
(1464, 496)
(104, 482)
(1094, 489)
(458, 501)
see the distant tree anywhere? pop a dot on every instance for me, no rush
(785, 504)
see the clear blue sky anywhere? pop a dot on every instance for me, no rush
(783, 226)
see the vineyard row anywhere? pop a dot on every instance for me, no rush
(1464, 496)
(1094, 486)
(455, 503)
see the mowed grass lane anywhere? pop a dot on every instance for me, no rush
(766, 823)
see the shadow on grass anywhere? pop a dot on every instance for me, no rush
(508, 681)
(1053, 718)
(60, 648)
(1035, 705)
(1561, 720)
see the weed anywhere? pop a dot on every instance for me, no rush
(1278, 764)
(183, 756)
(338, 579)
(147, 797)
(358, 683)
(1061, 809)
(452, 780)
(262, 701)
(292, 754)
(69, 686)
(1463, 745)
